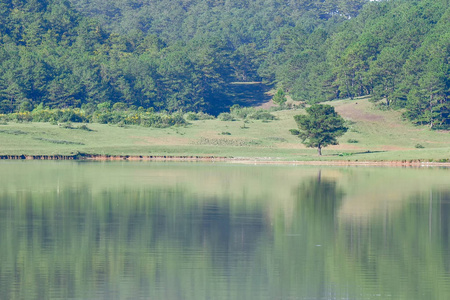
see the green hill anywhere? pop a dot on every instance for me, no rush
(178, 55)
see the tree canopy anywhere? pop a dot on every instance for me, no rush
(185, 54)
(320, 127)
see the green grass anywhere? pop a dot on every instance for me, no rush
(381, 135)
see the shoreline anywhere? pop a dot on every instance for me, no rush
(236, 160)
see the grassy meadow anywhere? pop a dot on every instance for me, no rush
(373, 135)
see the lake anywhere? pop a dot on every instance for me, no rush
(147, 230)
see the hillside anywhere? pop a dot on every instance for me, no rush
(373, 135)
(175, 55)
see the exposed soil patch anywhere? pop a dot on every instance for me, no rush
(345, 147)
(392, 148)
(429, 142)
(290, 146)
(267, 105)
(356, 112)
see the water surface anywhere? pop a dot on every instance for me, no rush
(96, 230)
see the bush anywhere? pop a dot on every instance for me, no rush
(279, 97)
(119, 106)
(44, 115)
(40, 114)
(419, 146)
(22, 116)
(242, 112)
(294, 131)
(345, 154)
(102, 117)
(69, 115)
(262, 115)
(161, 120)
(3, 119)
(132, 119)
(352, 141)
(250, 113)
(226, 117)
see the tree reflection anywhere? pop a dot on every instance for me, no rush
(169, 242)
(404, 254)
(319, 197)
(157, 241)
(303, 245)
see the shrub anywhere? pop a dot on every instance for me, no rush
(251, 113)
(294, 131)
(25, 106)
(22, 116)
(39, 114)
(69, 115)
(117, 116)
(44, 115)
(3, 119)
(280, 97)
(132, 119)
(262, 115)
(242, 112)
(345, 154)
(419, 146)
(104, 106)
(161, 120)
(119, 106)
(102, 117)
(226, 117)
(235, 107)
(352, 141)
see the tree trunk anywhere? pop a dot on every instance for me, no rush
(319, 151)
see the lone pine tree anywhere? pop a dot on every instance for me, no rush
(320, 127)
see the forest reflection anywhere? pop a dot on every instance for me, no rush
(270, 233)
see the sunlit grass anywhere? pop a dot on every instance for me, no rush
(372, 135)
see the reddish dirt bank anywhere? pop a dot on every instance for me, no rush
(84, 156)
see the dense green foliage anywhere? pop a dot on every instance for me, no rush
(397, 51)
(102, 114)
(184, 54)
(279, 97)
(320, 127)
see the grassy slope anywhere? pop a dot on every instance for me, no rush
(383, 133)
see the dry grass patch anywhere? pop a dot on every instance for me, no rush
(358, 111)
(164, 141)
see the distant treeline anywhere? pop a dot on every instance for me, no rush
(177, 55)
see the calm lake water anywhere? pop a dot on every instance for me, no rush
(92, 230)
